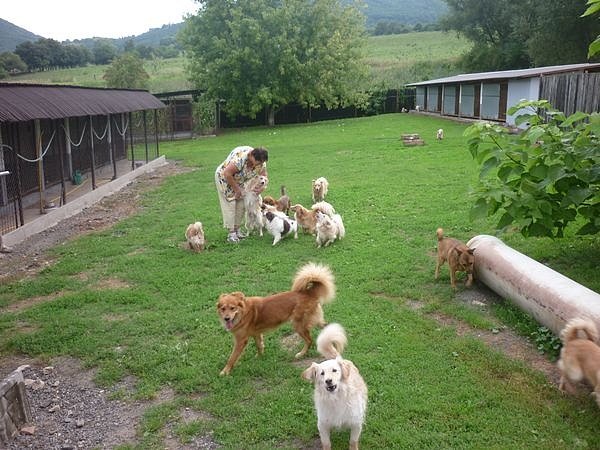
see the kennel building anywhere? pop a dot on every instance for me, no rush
(58, 141)
(489, 95)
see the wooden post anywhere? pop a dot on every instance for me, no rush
(111, 148)
(145, 135)
(40, 165)
(68, 146)
(131, 140)
(93, 155)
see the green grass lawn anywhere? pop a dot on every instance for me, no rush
(428, 387)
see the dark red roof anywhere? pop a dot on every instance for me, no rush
(23, 102)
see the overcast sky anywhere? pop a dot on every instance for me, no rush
(79, 19)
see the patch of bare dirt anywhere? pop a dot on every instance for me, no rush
(69, 410)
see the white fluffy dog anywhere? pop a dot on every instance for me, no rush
(278, 224)
(253, 203)
(329, 228)
(440, 134)
(340, 392)
(194, 234)
(320, 186)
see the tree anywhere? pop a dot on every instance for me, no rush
(104, 51)
(12, 63)
(259, 54)
(593, 8)
(512, 35)
(559, 34)
(32, 55)
(127, 71)
(489, 24)
(543, 179)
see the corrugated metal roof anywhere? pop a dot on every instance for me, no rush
(507, 74)
(23, 102)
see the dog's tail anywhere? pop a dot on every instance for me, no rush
(316, 280)
(331, 341)
(574, 327)
(440, 234)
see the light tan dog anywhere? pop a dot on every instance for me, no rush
(249, 317)
(329, 228)
(340, 394)
(580, 355)
(460, 258)
(307, 218)
(320, 187)
(194, 234)
(282, 203)
(440, 134)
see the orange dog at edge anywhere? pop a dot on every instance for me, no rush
(247, 317)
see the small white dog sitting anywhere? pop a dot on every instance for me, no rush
(329, 228)
(278, 224)
(340, 392)
(253, 203)
(440, 134)
(194, 234)
(320, 186)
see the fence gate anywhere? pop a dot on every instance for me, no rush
(10, 211)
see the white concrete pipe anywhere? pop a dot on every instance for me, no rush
(551, 298)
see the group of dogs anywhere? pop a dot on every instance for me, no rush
(340, 392)
(271, 214)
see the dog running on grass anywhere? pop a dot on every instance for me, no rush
(580, 355)
(194, 234)
(340, 394)
(249, 317)
(460, 258)
(320, 187)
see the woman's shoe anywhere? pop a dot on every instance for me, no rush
(233, 237)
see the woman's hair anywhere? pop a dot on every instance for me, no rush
(260, 154)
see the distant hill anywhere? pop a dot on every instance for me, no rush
(408, 12)
(152, 38)
(12, 35)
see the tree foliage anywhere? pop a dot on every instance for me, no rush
(512, 35)
(593, 9)
(12, 63)
(544, 178)
(127, 71)
(268, 53)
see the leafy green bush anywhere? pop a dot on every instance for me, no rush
(543, 178)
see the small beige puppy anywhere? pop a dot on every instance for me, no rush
(194, 235)
(320, 186)
(340, 394)
(440, 134)
(580, 355)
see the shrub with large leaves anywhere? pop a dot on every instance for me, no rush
(543, 178)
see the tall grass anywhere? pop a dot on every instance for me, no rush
(133, 301)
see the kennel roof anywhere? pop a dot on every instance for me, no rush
(23, 102)
(506, 74)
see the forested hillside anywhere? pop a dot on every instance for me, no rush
(408, 12)
(12, 35)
